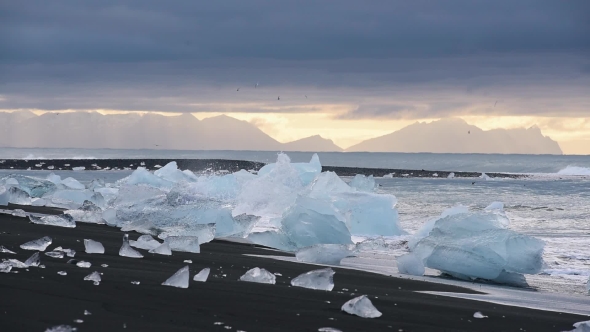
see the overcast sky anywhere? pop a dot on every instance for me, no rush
(358, 62)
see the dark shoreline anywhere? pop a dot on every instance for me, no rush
(40, 298)
(219, 165)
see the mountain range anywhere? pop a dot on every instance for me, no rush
(25, 129)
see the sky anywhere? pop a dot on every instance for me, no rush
(348, 70)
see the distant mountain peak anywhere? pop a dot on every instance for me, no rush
(312, 143)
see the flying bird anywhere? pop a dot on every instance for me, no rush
(495, 103)
(238, 89)
(469, 131)
(256, 85)
(279, 98)
(305, 96)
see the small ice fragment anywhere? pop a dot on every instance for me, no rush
(55, 254)
(259, 275)
(5, 250)
(322, 279)
(94, 276)
(202, 275)
(362, 307)
(87, 313)
(479, 315)
(64, 220)
(61, 328)
(146, 242)
(70, 252)
(79, 321)
(39, 244)
(188, 261)
(278, 274)
(83, 264)
(227, 327)
(93, 247)
(184, 243)
(410, 264)
(104, 265)
(324, 253)
(127, 251)
(19, 213)
(34, 260)
(451, 175)
(5, 267)
(179, 279)
(80, 168)
(135, 282)
(328, 329)
(218, 323)
(163, 249)
(62, 273)
(581, 326)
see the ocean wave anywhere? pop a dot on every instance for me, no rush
(574, 170)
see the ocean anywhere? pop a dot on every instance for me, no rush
(553, 205)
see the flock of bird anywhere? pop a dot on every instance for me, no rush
(256, 86)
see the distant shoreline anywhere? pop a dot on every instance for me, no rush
(220, 165)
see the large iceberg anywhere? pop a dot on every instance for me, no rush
(471, 245)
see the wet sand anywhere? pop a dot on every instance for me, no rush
(40, 298)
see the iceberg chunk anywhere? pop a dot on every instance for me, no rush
(410, 264)
(32, 186)
(202, 275)
(39, 244)
(141, 226)
(69, 198)
(19, 213)
(324, 253)
(15, 263)
(478, 245)
(163, 249)
(88, 212)
(64, 220)
(146, 242)
(127, 251)
(93, 247)
(363, 183)
(62, 328)
(5, 250)
(204, 232)
(83, 264)
(5, 267)
(322, 279)
(18, 196)
(272, 239)
(72, 184)
(4, 197)
(306, 171)
(94, 276)
(311, 222)
(184, 243)
(171, 173)
(259, 275)
(362, 307)
(34, 260)
(179, 279)
(55, 254)
(142, 176)
(478, 314)
(582, 326)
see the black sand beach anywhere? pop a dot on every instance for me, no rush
(218, 165)
(40, 298)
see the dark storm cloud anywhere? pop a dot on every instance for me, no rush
(170, 55)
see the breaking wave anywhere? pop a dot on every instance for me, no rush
(574, 170)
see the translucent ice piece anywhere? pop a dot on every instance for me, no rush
(204, 232)
(141, 226)
(410, 264)
(93, 247)
(39, 244)
(127, 251)
(5, 267)
(15, 263)
(184, 243)
(479, 315)
(88, 212)
(18, 196)
(179, 279)
(202, 275)
(34, 260)
(362, 307)
(363, 183)
(83, 264)
(582, 326)
(72, 183)
(64, 220)
(324, 253)
(322, 279)
(146, 242)
(19, 213)
(163, 249)
(55, 254)
(94, 276)
(61, 328)
(62, 273)
(5, 250)
(259, 275)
